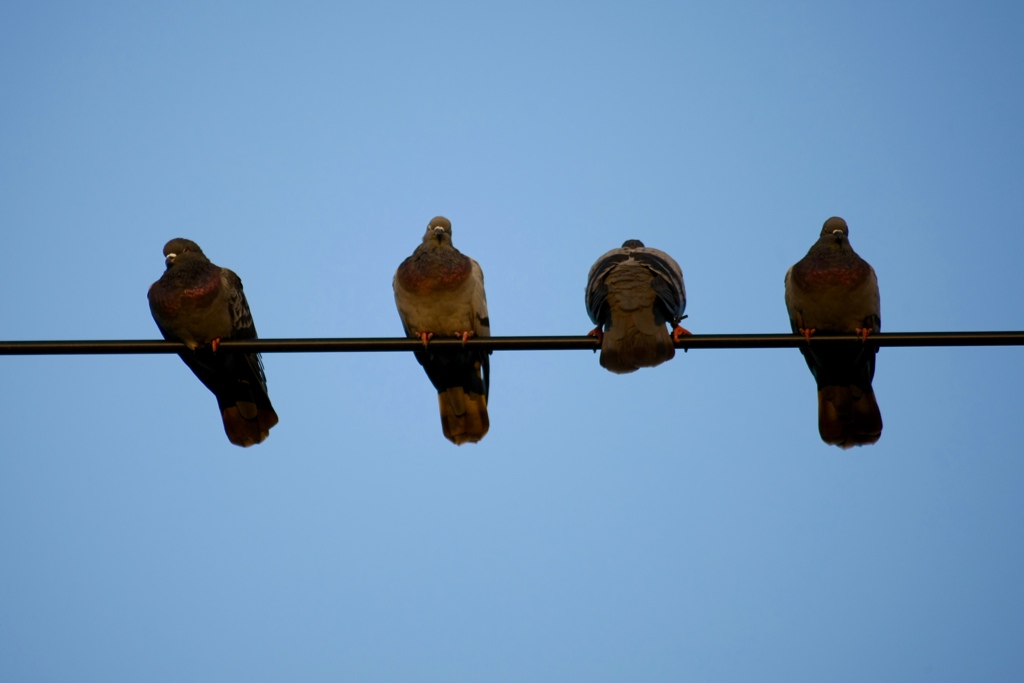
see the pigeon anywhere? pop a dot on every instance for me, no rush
(200, 304)
(832, 290)
(631, 293)
(439, 291)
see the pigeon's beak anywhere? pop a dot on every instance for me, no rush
(169, 260)
(438, 233)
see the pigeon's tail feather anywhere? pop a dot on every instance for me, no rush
(237, 382)
(463, 415)
(247, 413)
(848, 416)
(246, 424)
(634, 340)
(461, 379)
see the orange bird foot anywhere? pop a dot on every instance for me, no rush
(214, 344)
(463, 336)
(807, 332)
(863, 333)
(679, 332)
(425, 337)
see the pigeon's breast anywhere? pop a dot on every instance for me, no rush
(434, 275)
(192, 312)
(808, 276)
(834, 300)
(203, 294)
(439, 295)
(174, 299)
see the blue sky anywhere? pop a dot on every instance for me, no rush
(680, 523)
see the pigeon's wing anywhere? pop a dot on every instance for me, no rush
(403, 300)
(794, 298)
(667, 282)
(597, 290)
(478, 302)
(242, 325)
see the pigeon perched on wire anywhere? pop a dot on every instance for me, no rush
(201, 304)
(834, 291)
(631, 293)
(440, 292)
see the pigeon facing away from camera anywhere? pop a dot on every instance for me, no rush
(631, 293)
(201, 304)
(832, 290)
(440, 292)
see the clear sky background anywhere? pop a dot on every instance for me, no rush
(680, 523)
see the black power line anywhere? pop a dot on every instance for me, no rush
(697, 341)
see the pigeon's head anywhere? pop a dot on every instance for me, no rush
(178, 247)
(439, 231)
(836, 227)
(632, 244)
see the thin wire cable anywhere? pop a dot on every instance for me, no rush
(697, 341)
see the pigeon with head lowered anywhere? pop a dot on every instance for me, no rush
(832, 290)
(439, 291)
(201, 304)
(631, 293)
